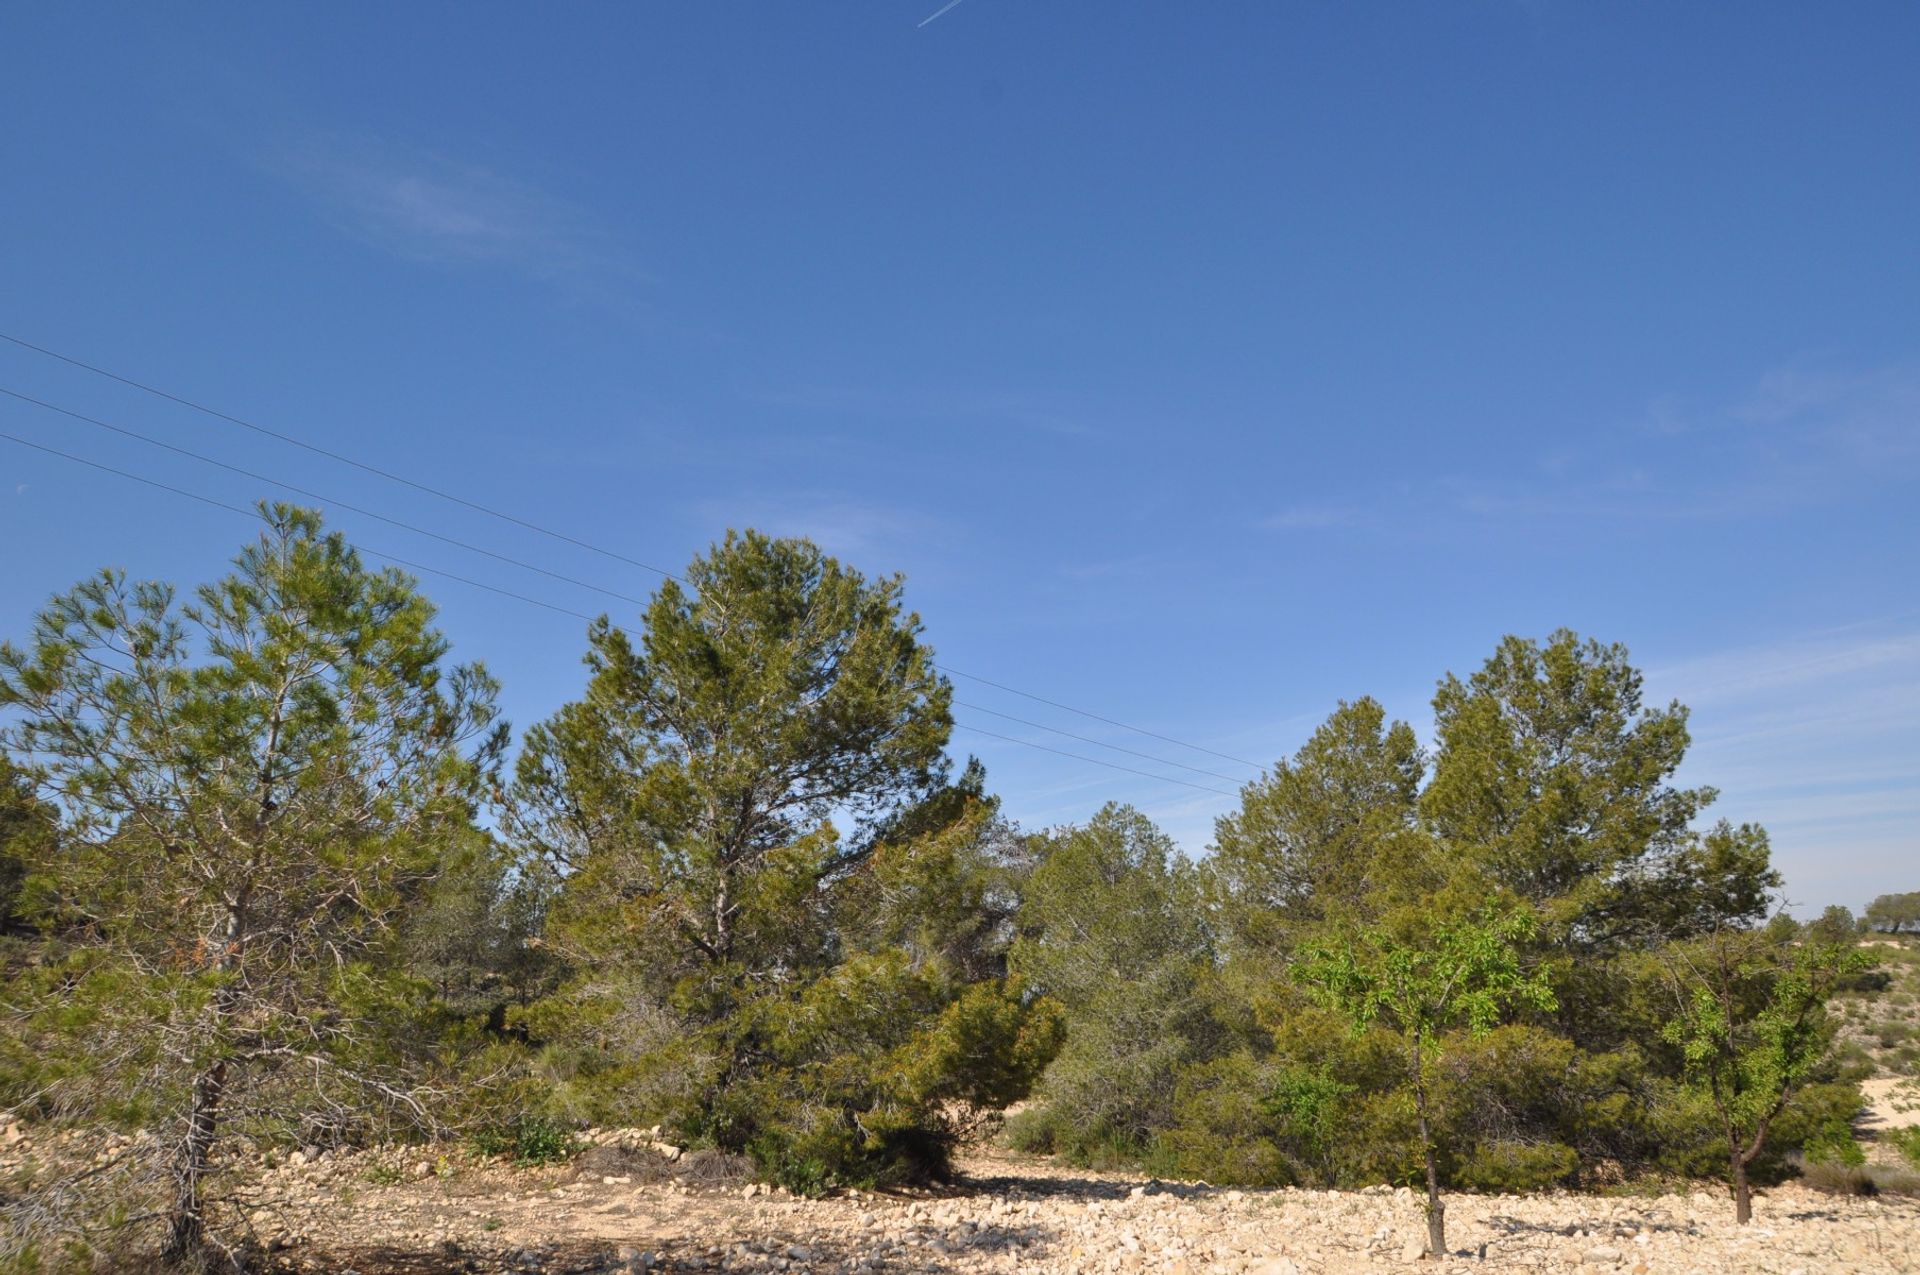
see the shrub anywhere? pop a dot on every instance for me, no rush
(1838, 1179)
(1032, 1131)
(1224, 1127)
(529, 1140)
(1833, 1143)
(1514, 1168)
(1907, 1143)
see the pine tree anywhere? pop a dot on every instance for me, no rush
(257, 786)
(770, 752)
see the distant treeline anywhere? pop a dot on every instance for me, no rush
(268, 879)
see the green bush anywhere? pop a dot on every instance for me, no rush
(529, 1140)
(1514, 1168)
(1032, 1130)
(1907, 1143)
(1833, 1143)
(1224, 1127)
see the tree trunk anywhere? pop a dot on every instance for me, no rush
(187, 1222)
(1742, 1191)
(1436, 1207)
(187, 1225)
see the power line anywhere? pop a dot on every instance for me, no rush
(317, 450)
(1165, 779)
(517, 521)
(314, 495)
(311, 494)
(255, 514)
(549, 606)
(1097, 743)
(974, 677)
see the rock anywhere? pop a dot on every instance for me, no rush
(1604, 1255)
(1274, 1266)
(1412, 1251)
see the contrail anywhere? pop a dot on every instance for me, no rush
(949, 5)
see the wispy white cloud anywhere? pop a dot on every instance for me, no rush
(1309, 518)
(1816, 736)
(430, 208)
(1803, 434)
(1742, 674)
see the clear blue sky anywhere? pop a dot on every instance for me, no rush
(1200, 364)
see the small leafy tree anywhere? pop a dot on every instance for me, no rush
(1749, 1017)
(256, 788)
(1421, 980)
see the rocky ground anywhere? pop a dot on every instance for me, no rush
(619, 1209)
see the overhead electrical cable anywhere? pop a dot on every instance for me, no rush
(381, 554)
(491, 511)
(314, 495)
(341, 457)
(1088, 739)
(255, 514)
(1165, 779)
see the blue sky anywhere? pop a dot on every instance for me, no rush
(1199, 364)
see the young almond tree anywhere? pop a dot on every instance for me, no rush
(255, 787)
(1750, 1021)
(1422, 980)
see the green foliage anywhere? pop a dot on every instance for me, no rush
(1833, 1143)
(1894, 913)
(1329, 829)
(734, 891)
(1512, 1168)
(27, 830)
(1419, 978)
(1554, 778)
(528, 1140)
(1304, 1105)
(257, 789)
(1750, 1023)
(734, 963)
(1427, 978)
(1111, 929)
(1907, 1143)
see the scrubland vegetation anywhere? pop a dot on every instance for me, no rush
(270, 883)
